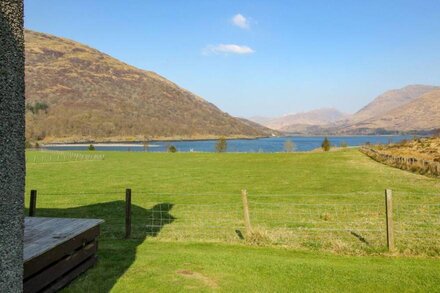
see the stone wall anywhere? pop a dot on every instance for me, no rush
(12, 160)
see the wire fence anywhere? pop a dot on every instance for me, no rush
(352, 223)
(49, 156)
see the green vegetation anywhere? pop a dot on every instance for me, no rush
(91, 147)
(221, 146)
(172, 149)
(36, 107)
(177, 267)
(326, 145)
(199, 195)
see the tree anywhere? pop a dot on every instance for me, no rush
(289, 146)
(326, 145)
(91, 147)
(172, 149)
(221, 145)
(145, 145)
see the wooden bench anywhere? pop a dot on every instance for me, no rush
(57, 250)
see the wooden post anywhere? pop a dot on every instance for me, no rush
(33, 203)
(389, 218)
(247, 220)
(127, 213)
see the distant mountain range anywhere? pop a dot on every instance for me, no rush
(299, 121)
(76, 93)
(412, 109)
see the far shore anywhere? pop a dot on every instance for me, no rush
(140, 143)
(98, 144)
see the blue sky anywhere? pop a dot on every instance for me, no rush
(261, 57)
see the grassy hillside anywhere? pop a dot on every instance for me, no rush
(426, 148)
(187, 210)
(421, 155)
(76, 93)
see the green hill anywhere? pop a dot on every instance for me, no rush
(77, 93)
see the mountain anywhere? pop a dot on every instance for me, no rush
(411, 109)
(77, 93)
(391, 100)
(420, 114)
(301, 121)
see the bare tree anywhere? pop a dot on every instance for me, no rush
(289, 146)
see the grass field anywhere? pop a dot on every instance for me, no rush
(319, 218)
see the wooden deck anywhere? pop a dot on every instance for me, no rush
(57, 250)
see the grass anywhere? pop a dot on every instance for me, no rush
(312, 213)
(176, 267)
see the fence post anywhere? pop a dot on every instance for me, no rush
(247, 220)
(127, 213)
(33, 203)
(389, 218)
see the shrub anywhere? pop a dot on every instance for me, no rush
(289, 146)
(221, 145)
(343, 144)
(37, 107)
(172, 149)
(326, 145)
(91, 147)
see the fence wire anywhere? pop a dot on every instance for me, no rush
(338, 222)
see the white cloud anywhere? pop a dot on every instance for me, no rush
(228, 49)
(240, 21)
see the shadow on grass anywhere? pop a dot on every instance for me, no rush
(115, 253)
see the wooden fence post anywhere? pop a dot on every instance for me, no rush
(389, 218)
(33, 203)
(127, 213)
(247, 219)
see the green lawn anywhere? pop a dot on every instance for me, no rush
(319, 218)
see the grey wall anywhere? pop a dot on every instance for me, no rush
(12, 160)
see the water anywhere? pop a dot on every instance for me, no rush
(265, 145)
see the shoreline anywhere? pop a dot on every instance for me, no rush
(138, 143)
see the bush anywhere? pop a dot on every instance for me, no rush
(37, 107)
(343, 144)
(172, 149)
(326, 145)
(221, 145)
(91, 147)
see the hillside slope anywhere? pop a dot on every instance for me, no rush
(76, 93)
(423, 113)
(391, 100)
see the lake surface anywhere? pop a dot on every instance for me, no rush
(265, 145)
